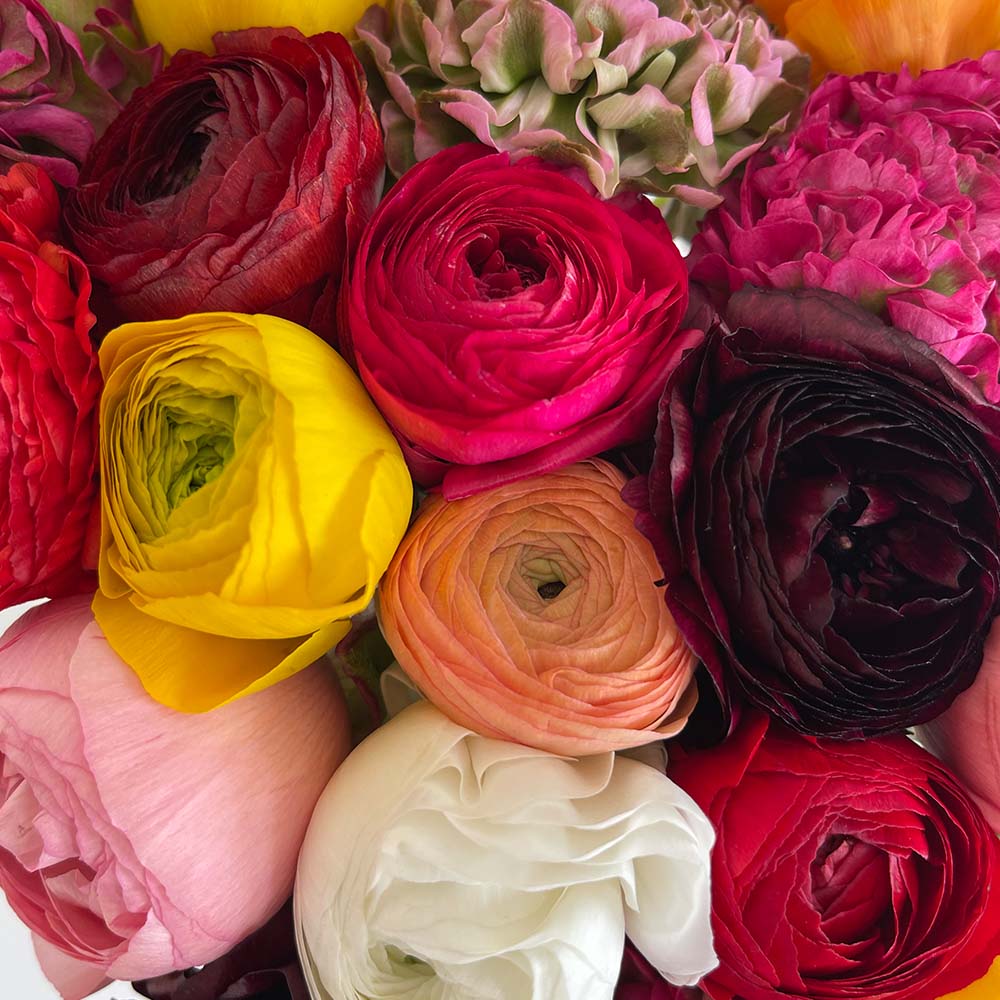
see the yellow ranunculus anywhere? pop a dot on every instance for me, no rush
(190, 24)
(252, 496)
(987, 988)
(856, 36)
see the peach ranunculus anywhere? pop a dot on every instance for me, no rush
(135, 840)
(858, 36)
(531, 613)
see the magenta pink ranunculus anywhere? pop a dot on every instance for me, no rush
(507, 321)
(135, 840)
(887, 193)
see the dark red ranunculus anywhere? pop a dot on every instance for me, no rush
(842, 871)
(49, 386)
(234, 182)
(507, 321)
(825, 501)
(638, 980)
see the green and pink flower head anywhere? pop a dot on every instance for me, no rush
(666, 97)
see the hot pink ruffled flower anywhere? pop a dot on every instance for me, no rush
(887, 193)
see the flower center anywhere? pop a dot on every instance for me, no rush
(545, 575)
(197, 444)
(506, 263)
(852, 891)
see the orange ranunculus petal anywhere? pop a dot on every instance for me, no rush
(987, 988)
(531, 613)
(856, 36)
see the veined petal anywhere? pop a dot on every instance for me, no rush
(858, 36)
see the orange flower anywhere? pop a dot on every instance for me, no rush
(987, 988)
(531, 613)
(855, 36)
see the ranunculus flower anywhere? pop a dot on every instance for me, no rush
(888, 193)
(252, 496)
(967, 736)
(191, 24)
(264, 966)
(842, 871)
(67, 69)
(855, 36)
(506, 321)
(49, 388)
(531, 613)
(441, 863)
(135, 840)
(825, 500)
(235, 182)
(666, 98)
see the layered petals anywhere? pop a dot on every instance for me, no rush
(843, 871)
(135, 840)
(531, 613)
(66, 71)
(49, 389)
(507, 322)
(484, 868)
(234, 182)
(825, 502)
(888, 193)
(666, 98)
(252, 497)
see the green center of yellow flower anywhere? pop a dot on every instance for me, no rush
(197, 440)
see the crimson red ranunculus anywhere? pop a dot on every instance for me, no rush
(49, 387)
(842, 871)
(234, 182)
(507, 321)
(825, 502)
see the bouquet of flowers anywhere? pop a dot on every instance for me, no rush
(445, 585)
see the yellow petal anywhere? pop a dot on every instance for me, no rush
(193, 671)
(190, 24)
(857, 36)
(987, 988)
(252, 495)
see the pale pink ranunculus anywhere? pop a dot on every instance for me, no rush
(135, 840)
(967, 736)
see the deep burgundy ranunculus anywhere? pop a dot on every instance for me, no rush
(638, 980)
(234, 182)
(506, 321)
(825, 501)
(842, 871)
(49, 386)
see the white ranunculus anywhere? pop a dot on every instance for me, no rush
(441, 865)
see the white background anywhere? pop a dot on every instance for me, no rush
(20, 977)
